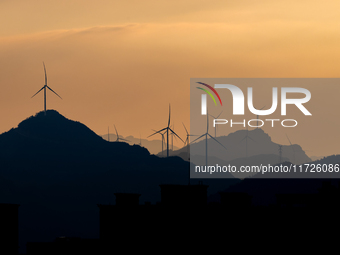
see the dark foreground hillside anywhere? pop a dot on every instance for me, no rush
(58, 170)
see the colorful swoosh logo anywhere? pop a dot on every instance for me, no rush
(208, 92)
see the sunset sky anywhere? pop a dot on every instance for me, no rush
(122, 62)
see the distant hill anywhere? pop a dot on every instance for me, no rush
(258, 143)
(153, 146)
(314, 158)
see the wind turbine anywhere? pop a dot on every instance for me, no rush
(293, 149)
(206, 141)
(187, 141)
(44, 88)
(280, 153)
(163, 140)
(172, 138)
(216, 118)
(108, 134)
(167, 129)
(246, 137)
(257, 117)
(118, 138)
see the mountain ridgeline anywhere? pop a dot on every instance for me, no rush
(42, 135)
(246, 147)
(56, 168)
(153, 146)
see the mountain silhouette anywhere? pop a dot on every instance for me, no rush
(153, 146)
(58, 170)
(55, 168)
(42, 140)
(259, 143)
(56, 128)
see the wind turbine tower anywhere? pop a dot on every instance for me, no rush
(257, 117)
(280, 153)
(187, 141)
(246, 137)
(172, 138)
(216, 118)
(163, 140)
(206, 141)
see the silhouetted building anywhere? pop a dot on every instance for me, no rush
(235, 200)
(328, 197)
(127, 224)
(184, 195)
(66, 245)
(292, 200)
(9, 229)
(127, 199)
(178, 215)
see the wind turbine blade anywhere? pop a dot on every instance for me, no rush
(290, 143)
(243, 138)
(38, 91)
(53, 91)
(288, 139)
(217, 141)
(45, 74)
(252, 139)
(198, 138)
(176, 134)
(124, 139)
(116, 131)
(262, 107)
(185, 129)
(157, 132)
(207, 122)
(219, 115)
(169, 116)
